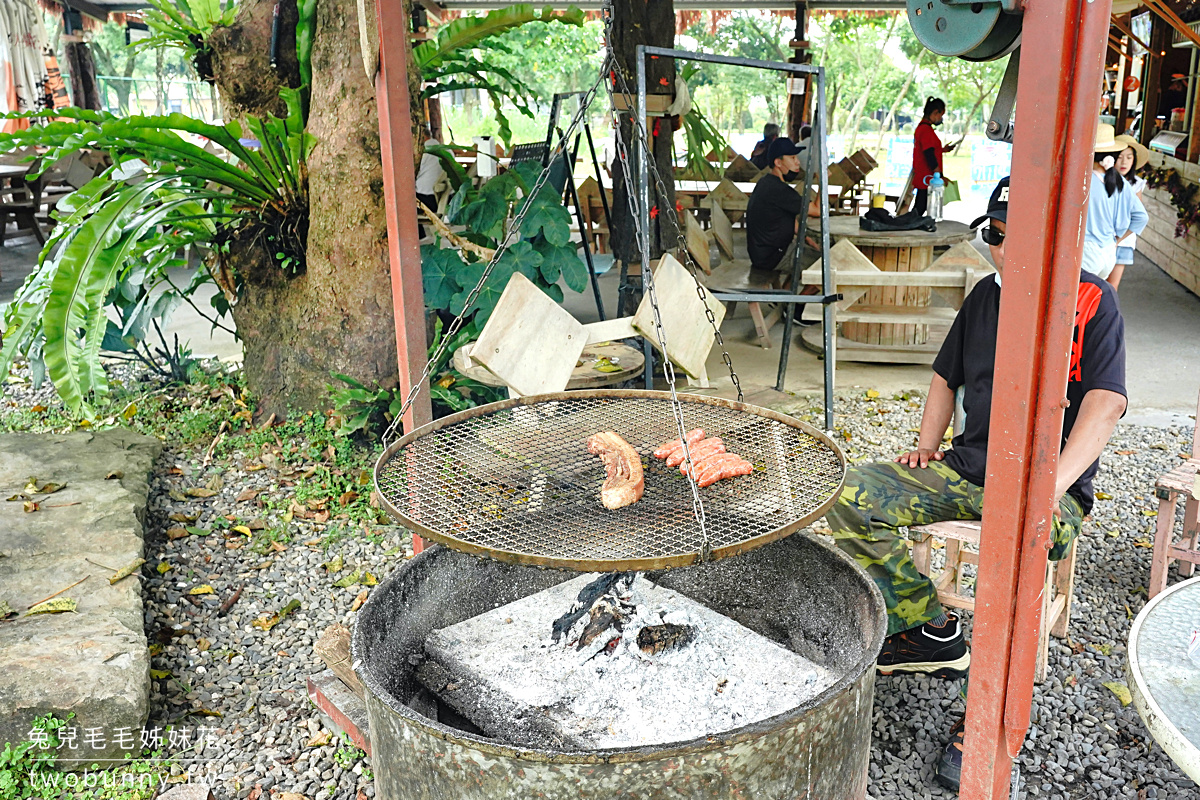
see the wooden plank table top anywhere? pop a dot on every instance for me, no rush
(628, 360)
(948, 233)
(14, 170)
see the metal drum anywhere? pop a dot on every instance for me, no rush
(797, 591)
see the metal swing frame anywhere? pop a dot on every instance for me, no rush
(816, 159)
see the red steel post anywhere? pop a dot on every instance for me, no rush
(400, 196)
(1057, 104)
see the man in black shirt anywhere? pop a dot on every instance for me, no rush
(759, 156)
(929, 485)
(772, 216)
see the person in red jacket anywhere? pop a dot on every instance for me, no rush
(927, 151)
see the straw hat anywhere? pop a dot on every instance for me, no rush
(1106, 140)
(1141, 154)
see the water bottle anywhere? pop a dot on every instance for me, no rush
(937, 191)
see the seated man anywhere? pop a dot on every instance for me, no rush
(929, 485)
(772, 218)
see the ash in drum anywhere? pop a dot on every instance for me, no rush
(643, 666)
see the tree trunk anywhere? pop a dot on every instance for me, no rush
(337, 315)
(84, 91)
(637, 22)
(242, 59)
(891, 115)
(856, 112)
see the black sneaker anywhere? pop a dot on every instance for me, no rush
(940, 652)
(949, 769)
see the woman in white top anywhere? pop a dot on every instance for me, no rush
(1129, 161)
(1114, 211)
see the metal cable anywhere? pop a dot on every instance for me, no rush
(513, 228)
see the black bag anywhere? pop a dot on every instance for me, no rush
(878, 219)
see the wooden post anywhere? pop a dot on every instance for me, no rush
(1122, 105)
(1159, 32)
(800, 106)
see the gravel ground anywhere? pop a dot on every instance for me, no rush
(1083, 743)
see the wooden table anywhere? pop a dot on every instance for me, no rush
(629, 360)
(1164, 682)
(894, 318)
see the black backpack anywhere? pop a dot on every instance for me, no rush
(878, 219)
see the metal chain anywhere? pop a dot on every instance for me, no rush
(660, 189)
(643, 239)
(513, 228)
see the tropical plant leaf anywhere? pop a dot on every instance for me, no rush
(555, 259)
(440, 269)
(489, 294)
(467, 32)
(521, 257)
(486, 213)
(547, 216)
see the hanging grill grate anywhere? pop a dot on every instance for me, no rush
(514, 481)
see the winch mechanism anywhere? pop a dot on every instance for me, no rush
(975, 31)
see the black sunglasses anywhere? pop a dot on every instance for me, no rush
(992, 236)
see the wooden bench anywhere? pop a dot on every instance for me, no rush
(1179, 482)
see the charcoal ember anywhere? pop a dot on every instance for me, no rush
(654, 639)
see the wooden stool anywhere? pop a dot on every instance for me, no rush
(1056, 600)
(1180, 481)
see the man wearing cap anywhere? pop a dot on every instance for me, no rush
(773, 216)
(928, 484)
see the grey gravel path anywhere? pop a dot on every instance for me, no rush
(1083, 743)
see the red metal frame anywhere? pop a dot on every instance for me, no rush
(1057, 100)
(1057, 106)
(400, 194)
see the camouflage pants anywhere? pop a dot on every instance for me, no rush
(878, 499)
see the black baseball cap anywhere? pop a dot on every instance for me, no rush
(782, 147)
(997, 204)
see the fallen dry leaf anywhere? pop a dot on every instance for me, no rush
(1126, 452)
(246, 495)
(348, 498)
(58, 605)
(160, 674)
(203, 588)
(30, 506)
(334, 565)
(320, 740)
(6, 610)
(199, 491)
(126, 571)
(1120, 690)
(243, 530)
(257, 524)
(214, 483)
(278, 547)
(349, 580)
(202, 645)
(176, 533)
(163, 568)
(358, 601)
(116, 474)
(268, 621)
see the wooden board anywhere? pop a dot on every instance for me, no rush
(740, 169)
(688, 332)
(530, 342)
(728, 196)
(697, 242)
(722, 230)
(969, 263)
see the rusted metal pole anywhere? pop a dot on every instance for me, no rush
(1057, 110)
(400, 196)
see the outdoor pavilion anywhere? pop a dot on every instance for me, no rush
(1060, 101)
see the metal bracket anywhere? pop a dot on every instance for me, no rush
(1008, 6)
(1000, 124)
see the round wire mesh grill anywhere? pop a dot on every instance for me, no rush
(514, 481)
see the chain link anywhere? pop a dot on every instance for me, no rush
(448, 336)
(660, 190)
(642, 237)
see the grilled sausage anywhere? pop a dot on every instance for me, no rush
(703, 452)
(665, 450)
(704, 445)
(724, 470)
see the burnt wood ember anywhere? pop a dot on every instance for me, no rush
(654, 639)
(588, 596)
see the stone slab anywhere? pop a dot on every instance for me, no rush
(93, 662)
